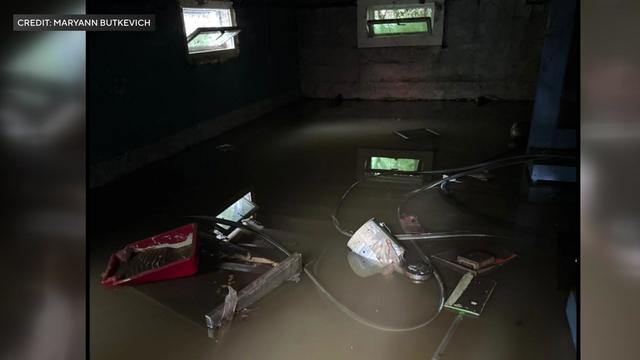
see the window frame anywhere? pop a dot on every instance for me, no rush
(212, 56)
(364, 171)
(431, 38)
(248, 196)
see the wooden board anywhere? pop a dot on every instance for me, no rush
(288, 269)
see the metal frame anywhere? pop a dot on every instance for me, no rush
(199, 31)
(364, 171)
(212, 56)
(370, 24)
(287, 269)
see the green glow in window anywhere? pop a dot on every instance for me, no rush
(409, 19)
(400, 28)
(399, 164)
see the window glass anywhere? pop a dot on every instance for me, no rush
(195, 18)
(400, 164)
(238, 210)
(411, 20)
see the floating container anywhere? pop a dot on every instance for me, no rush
(169, 255)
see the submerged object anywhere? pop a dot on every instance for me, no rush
(375, 242)
(418, 272)
(364, 267)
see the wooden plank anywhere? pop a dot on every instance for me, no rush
(288, 269)
(245, 267)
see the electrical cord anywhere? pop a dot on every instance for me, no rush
(483, 166)
(370, 323)
(444, 235)
(240, 225)
(442, 292)
(499, 163)
(459, 172)
(334, 216)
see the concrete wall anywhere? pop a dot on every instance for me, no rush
(492, 48)
(146, 101)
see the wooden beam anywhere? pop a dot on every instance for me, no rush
(288, 269)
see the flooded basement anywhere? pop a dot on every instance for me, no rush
(298, 171)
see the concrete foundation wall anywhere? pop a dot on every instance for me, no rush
(143, 91)
(492, 47)
(103, 172)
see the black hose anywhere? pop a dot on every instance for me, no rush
(493, 165)
(459, 172)
(240, 225)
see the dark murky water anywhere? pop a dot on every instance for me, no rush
(298, 172)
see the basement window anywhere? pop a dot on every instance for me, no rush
(242, 208)
(384, 23)
(210, 29)
(239, 210)
(396, 164)
(393, 166)
(383, 20)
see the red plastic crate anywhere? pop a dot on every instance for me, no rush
(175, 269)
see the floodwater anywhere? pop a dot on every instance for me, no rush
(298, 161)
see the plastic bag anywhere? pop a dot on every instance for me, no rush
(373, 242)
